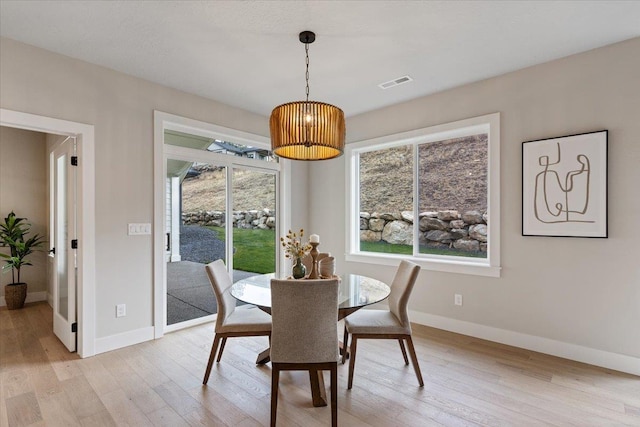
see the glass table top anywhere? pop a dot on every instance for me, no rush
(355, 291)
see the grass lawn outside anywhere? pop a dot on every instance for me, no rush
(254, 250)
(384, 247)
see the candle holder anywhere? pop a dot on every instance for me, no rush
(314, 263)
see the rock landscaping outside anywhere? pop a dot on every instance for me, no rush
(441, 229)
(263, 219)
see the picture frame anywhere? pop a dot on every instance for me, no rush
(564, 186)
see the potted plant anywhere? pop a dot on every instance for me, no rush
(13, 233)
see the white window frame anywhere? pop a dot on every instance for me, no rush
(489, 266)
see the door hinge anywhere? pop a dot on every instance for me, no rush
(74, 327)
(74, 244)
(74, 160)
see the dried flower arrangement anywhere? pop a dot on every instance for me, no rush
(293, 246)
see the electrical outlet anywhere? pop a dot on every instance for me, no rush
(121, 310)
(457, 299)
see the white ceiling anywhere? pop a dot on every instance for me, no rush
(247, 53)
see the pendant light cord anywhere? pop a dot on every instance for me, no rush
(307, 124)
(306, 50)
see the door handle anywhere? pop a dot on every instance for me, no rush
(52, 251)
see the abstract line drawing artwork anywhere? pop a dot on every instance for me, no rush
(561, 199)
(564, 186)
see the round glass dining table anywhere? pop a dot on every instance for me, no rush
(354, 292)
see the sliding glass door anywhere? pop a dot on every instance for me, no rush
(196, 236)
(221, 201)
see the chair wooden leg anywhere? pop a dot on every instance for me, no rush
(334, 394)
(404, 352)
(414, 360)
(275, 378)
(345, 349)
(224, 341)
(352, 359)
(214, 347)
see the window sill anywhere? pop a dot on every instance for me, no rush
(445, 265)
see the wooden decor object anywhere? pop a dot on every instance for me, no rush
(314, 264)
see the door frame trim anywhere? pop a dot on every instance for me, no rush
(86, 284)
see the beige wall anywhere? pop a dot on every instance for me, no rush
(121, 108)
(579, 291)
(572, 290)
(23, 189)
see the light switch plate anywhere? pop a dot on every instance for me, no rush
(135, 229)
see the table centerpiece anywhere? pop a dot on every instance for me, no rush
(295, 250)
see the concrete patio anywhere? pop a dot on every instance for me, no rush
(189, 292)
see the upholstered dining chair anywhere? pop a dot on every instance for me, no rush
(231, 322)
(304, 334)
(385, 324)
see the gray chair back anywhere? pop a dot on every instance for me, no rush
(401, 288)
(221, 282)
(304, 316)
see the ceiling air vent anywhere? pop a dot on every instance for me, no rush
(395, 82)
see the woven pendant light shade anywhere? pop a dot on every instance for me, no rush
(307, 130)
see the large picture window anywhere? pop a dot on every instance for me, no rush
(431, 195)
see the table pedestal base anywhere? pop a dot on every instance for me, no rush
(318, 390)
(264, 357)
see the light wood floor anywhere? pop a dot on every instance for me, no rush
(467, 382)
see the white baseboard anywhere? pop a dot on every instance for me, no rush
(592, 356)
(31, 297)
(124, 339)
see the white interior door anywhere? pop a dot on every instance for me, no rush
(64, 244)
